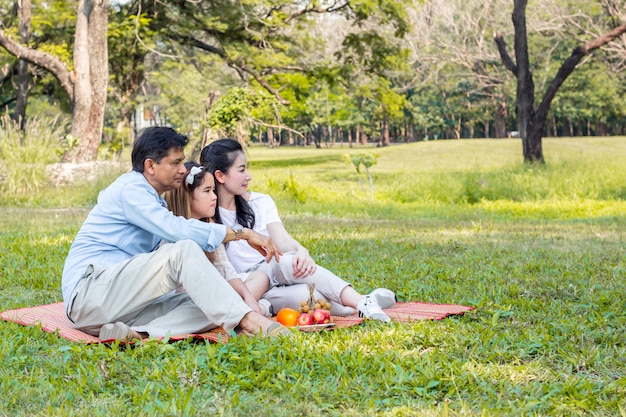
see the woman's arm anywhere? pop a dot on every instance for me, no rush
(303, 263)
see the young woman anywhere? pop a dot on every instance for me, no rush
(196, 199)
(226, 160)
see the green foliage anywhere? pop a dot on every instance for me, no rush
(236, 108)
(24, 155)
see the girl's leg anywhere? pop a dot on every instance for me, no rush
(258, 283)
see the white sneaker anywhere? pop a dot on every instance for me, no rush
(266, 307)
(386, 298)
(368, 308)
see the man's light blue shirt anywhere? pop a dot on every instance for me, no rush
(130, 218)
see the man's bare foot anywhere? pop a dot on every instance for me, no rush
(254, 324)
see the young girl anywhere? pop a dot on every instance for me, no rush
(196, 199)
(226, 160)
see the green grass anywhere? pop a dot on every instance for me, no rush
(539, 251)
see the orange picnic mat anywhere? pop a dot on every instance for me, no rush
(51, 318)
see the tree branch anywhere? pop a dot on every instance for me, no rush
(604, 39)
(337, 5)
(504, 55)
(260, 123)
(570, 65)
(42, 59)
(241, 66)
(238, 66)
(196, 43)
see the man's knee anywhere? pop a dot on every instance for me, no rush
(185, 249)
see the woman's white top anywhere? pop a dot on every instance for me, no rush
(243, 257)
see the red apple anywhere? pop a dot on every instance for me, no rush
(305, 319)
(321, 316)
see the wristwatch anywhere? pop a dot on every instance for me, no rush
(238, 229)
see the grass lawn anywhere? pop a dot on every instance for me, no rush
(539, 251)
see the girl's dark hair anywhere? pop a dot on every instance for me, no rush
(155, 143)
(220, 156)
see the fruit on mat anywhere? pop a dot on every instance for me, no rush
(305, 319)
(287, 317)
(321, 316)
(311, 304)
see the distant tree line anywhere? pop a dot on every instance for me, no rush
(315, 73)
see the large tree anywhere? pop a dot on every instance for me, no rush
(531, 121)
(85, 83)
(19, 115)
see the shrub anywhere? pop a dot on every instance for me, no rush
(24, 155)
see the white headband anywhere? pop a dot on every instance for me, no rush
(192, 174)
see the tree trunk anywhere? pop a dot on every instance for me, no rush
(271, 143)
(19, 116)
(384, 139)
(361, 137)
(568, 128)
(601, 128)
(501, 113)
(531, 122)
(91, 71)
(86, 85)
(531, 138)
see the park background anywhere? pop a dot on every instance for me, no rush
(449, 209)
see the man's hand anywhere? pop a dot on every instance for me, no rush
(263, 244)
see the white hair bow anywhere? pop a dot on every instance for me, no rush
(192, 174)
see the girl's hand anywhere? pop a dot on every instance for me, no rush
(303, 264)
(253, 304)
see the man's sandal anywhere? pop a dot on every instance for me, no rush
(273, 330)
(277, 330)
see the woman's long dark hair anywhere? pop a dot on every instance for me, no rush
(220, 156)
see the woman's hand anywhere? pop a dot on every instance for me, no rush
(263, 244)
(303, 264)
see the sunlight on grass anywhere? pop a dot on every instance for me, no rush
(516, 374)
(538, 251)
(557, 209)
